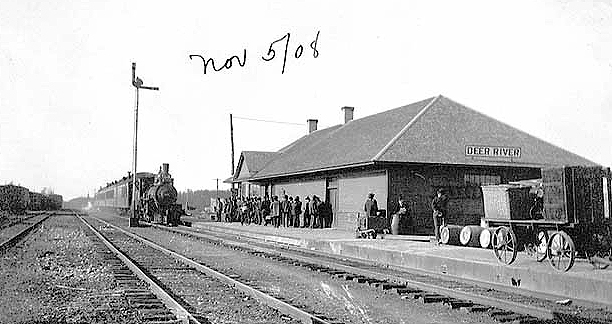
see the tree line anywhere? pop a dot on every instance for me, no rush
(198, 199)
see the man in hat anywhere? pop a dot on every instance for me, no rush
(371, 206)
(438, 205)
(307, 220)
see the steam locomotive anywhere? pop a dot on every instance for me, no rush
(156, 197)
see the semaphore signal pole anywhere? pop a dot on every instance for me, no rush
(232, 140)
(138, 84)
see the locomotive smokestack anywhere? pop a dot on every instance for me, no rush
(165, 168)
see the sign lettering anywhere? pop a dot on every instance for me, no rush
(493, 151)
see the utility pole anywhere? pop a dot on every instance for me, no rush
(232, 140)
(138, 84)
(217, 187)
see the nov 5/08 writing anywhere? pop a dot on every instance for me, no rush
(281, 45)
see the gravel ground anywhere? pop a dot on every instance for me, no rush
(12, 229)
(55, 276)
(208, 297)
(344, 300)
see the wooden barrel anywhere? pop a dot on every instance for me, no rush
(395, 224)
(449, 234)
(470, 235)
(485, 237)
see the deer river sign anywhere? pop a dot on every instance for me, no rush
(493, 151)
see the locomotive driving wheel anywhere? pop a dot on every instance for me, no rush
(504, 245)
(561, 251)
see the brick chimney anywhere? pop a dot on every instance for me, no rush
(312, 125)
(348, 114)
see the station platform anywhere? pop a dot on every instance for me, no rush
(581, 283)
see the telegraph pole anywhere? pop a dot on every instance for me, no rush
(217, 187)
(232, 140)
(138, 84)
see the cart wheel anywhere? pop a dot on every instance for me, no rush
(541, 245)
(504, 245)
(603, 255)
(561, 251)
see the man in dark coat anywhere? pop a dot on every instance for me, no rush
(265, 210)
(371, 206)
(297, 211)
(438, 205)
(219, 210)
(313, 208)
(307, 220)
(325, 212)
(285, 210)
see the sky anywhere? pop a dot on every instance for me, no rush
(67, 103)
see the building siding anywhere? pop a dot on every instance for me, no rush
(352, 193)
(300, 188)
(418, 185)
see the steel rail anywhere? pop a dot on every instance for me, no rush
(539, 312)
(179, 311)
(4, 246)
(275, 303)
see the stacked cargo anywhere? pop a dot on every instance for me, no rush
(14, 199)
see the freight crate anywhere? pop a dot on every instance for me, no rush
(506, 201)
(576, 194)
(377, 223)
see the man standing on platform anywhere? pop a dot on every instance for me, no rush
(371, 206)
(306, 214)
(313, 207)
(265, 210)
(297, 211)
(438, 205)
(275, 206)
(285, 208)
(219, 210)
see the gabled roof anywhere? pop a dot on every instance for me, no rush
(251, 162)
(441, 133)
(434, 130)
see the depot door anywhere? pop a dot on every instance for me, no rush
(332, 197)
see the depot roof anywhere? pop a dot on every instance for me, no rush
(436, 130)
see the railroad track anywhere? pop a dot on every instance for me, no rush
(152, 302)
(162, 265)
(502, 306)
(17, 221)
(20, 229)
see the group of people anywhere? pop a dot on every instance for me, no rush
(312, 213)
(287, 212)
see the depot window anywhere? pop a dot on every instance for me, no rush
(481, 179)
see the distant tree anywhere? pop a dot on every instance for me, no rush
(200, 198)
(47, 191)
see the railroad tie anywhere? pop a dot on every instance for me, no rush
(359, 279)
(372, 281)
(432, 298)
(158, 317)
(407, 290)
(456, 303)
(388, 285)
(475, 309)
(346, 276)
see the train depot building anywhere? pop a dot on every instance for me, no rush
(408, 152)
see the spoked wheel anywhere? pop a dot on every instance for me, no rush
(561, 251)
(541, 245)
(504, 245)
